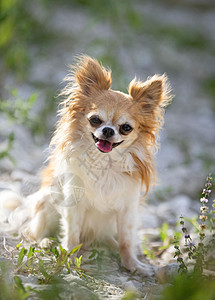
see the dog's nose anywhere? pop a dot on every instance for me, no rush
(108, 132)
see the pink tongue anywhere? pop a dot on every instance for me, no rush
(104, 146)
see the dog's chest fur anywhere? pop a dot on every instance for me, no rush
(97, 180)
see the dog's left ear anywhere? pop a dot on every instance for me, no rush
(91, 76)
(150, 94)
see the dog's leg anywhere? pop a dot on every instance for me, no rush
(71, 227)
(72, 213)
(127, 226)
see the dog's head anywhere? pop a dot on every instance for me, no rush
(110, 118)
(106, 119)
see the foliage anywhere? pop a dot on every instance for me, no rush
(195, 280)
(18, 29)
(165, 239)
(18, 110)
(46, 264)
(150, 253)
(190, 287)
(6, 152)
(198, 252)
(17, 291)
(97, 256)
(164, 236)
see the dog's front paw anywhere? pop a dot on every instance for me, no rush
(145, 270)
(46, 243)
(137, 267)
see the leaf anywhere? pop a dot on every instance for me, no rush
(55, 252)
(18, 282)
(21, 256)
(23, 294)
(30, 254)
(134, 272)
(76, 249)
(100, 254)
(32, 98)
(6, 32)
(42, 269)
(78, 261)
(61, 248)
(93, 254)
(164, 232)
(68, 266)
(38, 251)
(14, 93)
(10, 140)
(53, 239)
(18, 245)
(5, 152)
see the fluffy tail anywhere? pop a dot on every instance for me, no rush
(12, 212)
(34, 217)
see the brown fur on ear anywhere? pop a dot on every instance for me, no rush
(151, 93)
(91, 76)
(149, 99)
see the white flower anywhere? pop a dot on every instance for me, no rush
(204, 200)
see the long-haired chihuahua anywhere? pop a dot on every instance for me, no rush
(102, 157)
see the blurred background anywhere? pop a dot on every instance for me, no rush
(40, 39)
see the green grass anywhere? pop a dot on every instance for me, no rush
(45, 264)
(208, 86)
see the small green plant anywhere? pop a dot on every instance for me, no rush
(189, 287)
(11, 289)
(212, 220)
(178, 254)
(164, 236)
(18, 110)
(97, 256)
(5, 153)
(150, 253)
(52, 268)
(59, 258)
(197, 253)
(195, 279)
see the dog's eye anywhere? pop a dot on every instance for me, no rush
(95, 121)
(125, 129)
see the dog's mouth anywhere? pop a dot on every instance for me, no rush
(104, 145)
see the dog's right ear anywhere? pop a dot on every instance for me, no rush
(91, 76)
(150, 94)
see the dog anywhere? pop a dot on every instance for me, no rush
(102, 157)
